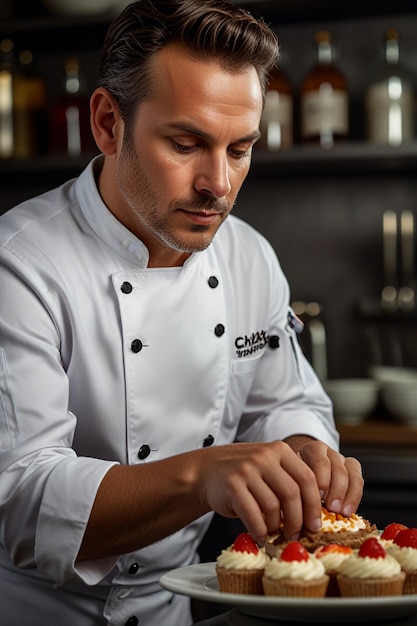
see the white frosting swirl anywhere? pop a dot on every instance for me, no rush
(301, 570)
(406, 557)
(232, 559)
(366, 567)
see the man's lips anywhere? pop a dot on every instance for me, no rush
(202, 217)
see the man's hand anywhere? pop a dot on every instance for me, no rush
(264, 483)
(339, 478)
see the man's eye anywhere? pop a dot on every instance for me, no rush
(240, 154)
(180, 147)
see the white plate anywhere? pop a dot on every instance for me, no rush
(200, 582)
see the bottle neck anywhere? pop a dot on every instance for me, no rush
(72, 78)
(392, 52)
(6, 55)
(325, 52)
(72, 84)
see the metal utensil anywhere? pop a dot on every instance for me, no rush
(406, 294)
(389, 295)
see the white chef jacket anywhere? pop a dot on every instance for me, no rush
(105, 361)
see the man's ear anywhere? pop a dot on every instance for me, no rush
(106, 122)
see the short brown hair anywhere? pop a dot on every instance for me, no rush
(207, 28)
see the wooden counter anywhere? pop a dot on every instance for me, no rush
(387, 451)
(378, 433)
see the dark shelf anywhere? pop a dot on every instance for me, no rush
(280, 11)
(54, 33)
(44, 31)
(50, 165)
(370, 310)
(351, 158)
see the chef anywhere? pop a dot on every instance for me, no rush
(150, 372)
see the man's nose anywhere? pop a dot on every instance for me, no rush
(213, 178)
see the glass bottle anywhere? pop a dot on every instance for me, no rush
(324, 98)
(389, 98)
(6, 99)
(29, 109)
(70, 131)
(277, 118)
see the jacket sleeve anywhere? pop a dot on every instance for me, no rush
(46, 491)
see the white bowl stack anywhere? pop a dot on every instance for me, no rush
(353, 398)
(398, 392)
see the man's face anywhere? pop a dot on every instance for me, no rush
(181, 166)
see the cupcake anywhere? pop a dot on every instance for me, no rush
(240, 567)
(335, 528)
(295, 573)
(389, 533)
(332, 556)
(404, 550)
(370, 572)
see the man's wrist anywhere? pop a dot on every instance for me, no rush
(296, 442)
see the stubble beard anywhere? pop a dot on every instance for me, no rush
(141, 198)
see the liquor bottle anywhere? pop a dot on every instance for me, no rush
(389, 98)
(29, 109)
(70, 131)
(324, 98)
(277, 117)
(6, 99)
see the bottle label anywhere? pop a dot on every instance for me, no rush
(277, 121)
(389, 108)
(325, 110)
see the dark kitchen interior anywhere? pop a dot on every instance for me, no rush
(321, 209)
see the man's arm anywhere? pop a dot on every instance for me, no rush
(257, 482)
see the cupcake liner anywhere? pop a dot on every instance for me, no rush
(290, 588)
(410, 583)
(240, 581)
(361, 587)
